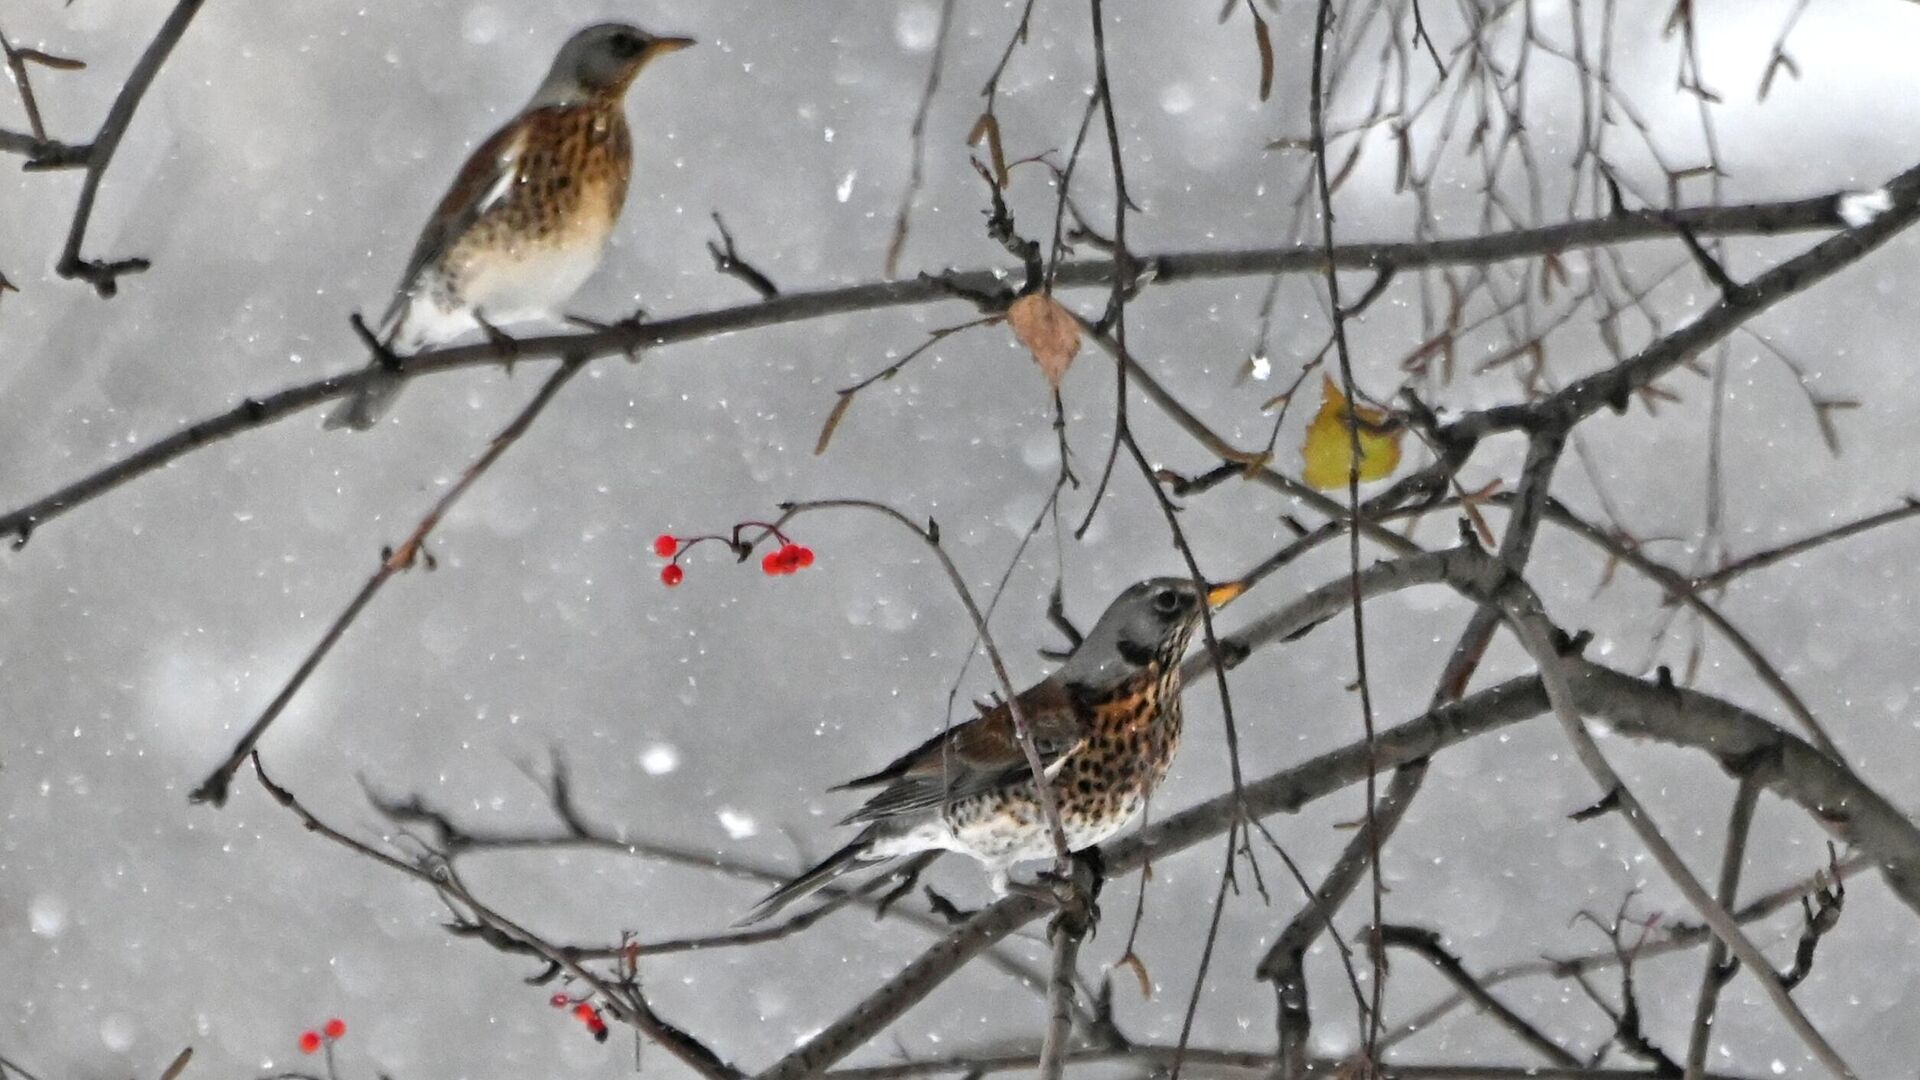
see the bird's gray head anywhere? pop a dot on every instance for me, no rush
(1150, 621)
(602, 60)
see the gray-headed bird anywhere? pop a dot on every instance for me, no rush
(1106, 724)
(528, 216)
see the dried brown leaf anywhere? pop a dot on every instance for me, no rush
(1132, 962)
(1049, 332)
(988, 128)
(827, 429)
(48, 60)
(1263, 39)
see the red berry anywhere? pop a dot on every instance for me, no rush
(803, 556)
(585, 1012)
(336, 1028)
(672, 575)
(309, 1042)
(771, 564)
(665, 545)
(787, 559)
(599, 1032)
(559, 1001)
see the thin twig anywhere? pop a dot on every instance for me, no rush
(727, 260)
(622, 340)
(1717, 973)
(930, 536)
(622, 997)
(1316, 111)
(1523, 612)
(1674, 937)
(918, 140)
(214, 788)
(104, 276)
(1760, 559)
(1427, 944)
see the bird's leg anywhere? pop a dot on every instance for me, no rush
(382, 354)
(953, 913)
(506, 343)
(1076, 893)
(631, 324)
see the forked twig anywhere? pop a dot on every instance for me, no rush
(214, 788)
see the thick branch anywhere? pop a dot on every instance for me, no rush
(1826, 789)
(1228, 1061)
(1613, 387)
(1529, 622)
(1753, 219)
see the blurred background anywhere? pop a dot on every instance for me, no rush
(277, 174)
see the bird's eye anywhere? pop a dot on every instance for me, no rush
(627, 46)
(1166, 601)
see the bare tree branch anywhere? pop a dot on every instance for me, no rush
(214, 788)
(1761, 219)
(104, 276)
(1427, 944)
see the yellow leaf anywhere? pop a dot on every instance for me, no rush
(1328, 450)
(1048, 331)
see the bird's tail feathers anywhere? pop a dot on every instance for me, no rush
(368, 404)
(829, 868)
(375, 396)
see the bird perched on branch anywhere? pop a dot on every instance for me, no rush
(1106, 725)
(524, 224)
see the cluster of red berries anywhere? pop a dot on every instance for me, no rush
(790, 557)
(310, 1041)
(585, 1013)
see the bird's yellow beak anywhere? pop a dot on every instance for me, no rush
(664, 45)
(1219, 595)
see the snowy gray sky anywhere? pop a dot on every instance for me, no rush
(277, 173)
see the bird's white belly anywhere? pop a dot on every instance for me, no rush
(1002, 839)
(532, 283)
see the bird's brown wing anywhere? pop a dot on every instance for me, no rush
(483, 181)
(982, 754)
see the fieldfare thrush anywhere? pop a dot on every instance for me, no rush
(1106, 724)
(525, 222)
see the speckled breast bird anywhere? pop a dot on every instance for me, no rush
(1106, 724)
(526, 220)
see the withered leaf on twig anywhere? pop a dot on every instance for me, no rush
(1132, 962)
(1049, 332)
(988, 128)
(48, 60)
(1264, 40)
(833, 421)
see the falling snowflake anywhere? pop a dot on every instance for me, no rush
(739, 826)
